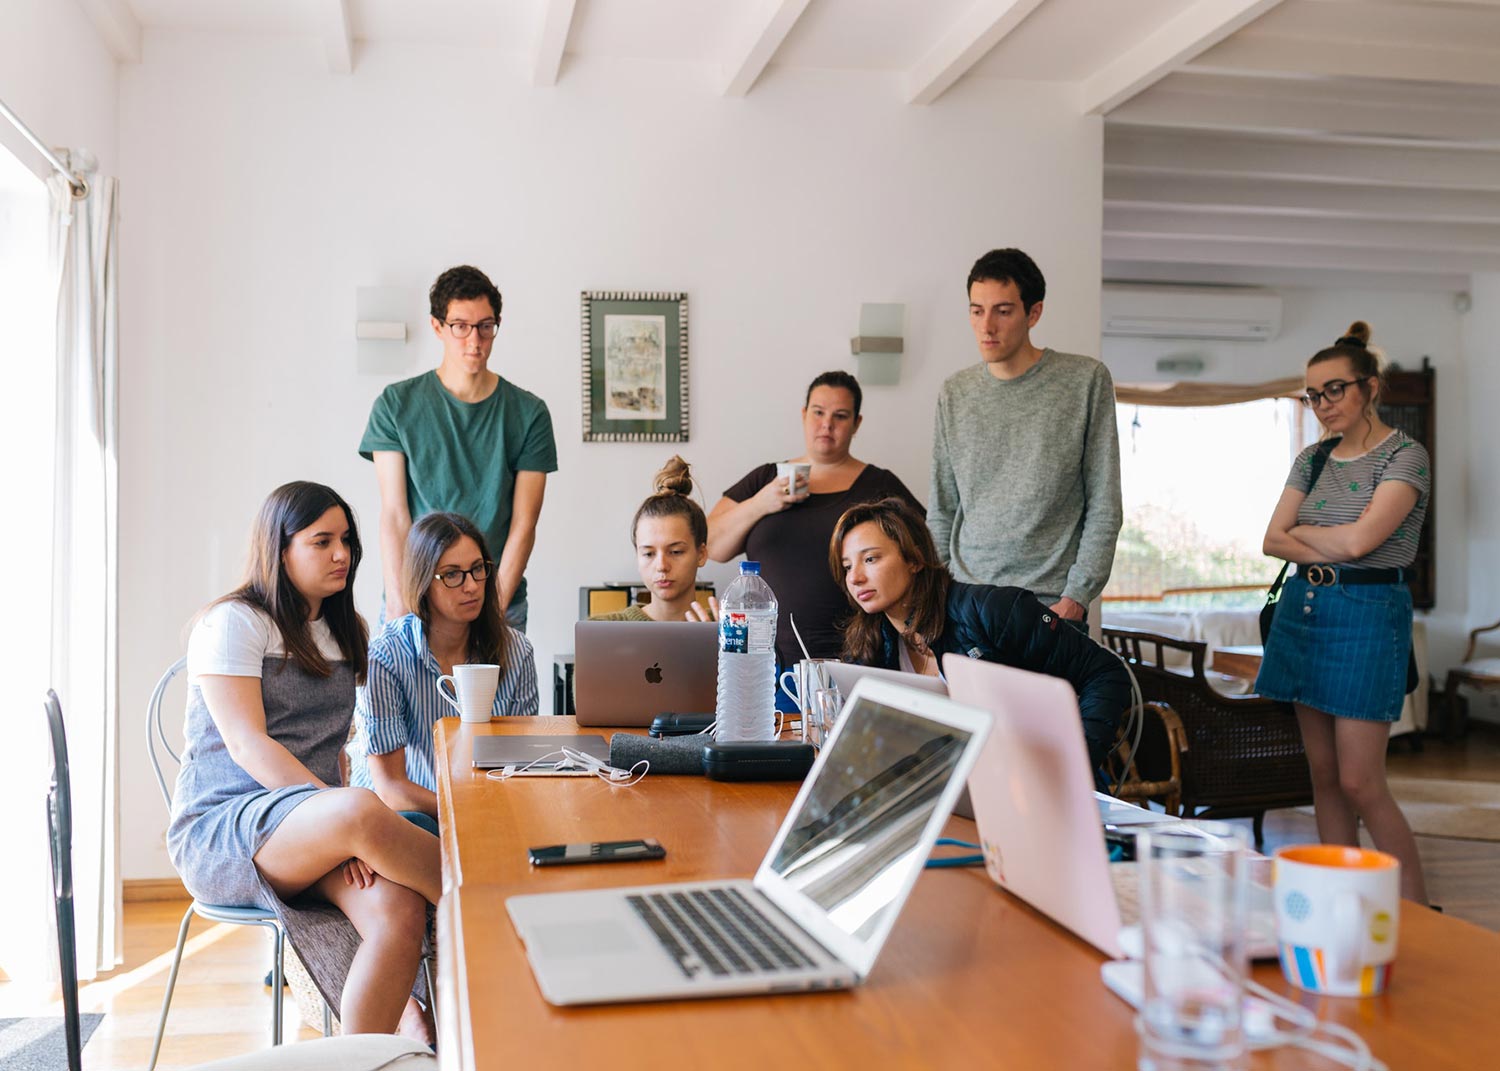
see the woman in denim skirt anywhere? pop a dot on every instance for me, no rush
(1341, 637)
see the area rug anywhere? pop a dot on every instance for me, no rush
(1467, 810)
(38, 1044)
(1462, 810)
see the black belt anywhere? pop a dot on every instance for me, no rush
(1323, 576)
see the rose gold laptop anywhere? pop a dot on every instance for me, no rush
(1039, 818)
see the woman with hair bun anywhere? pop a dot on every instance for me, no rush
(1341, 636)
(670, 535)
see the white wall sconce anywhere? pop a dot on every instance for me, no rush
(383, 316)
(878, 347)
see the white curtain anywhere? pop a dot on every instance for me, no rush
(85, 570)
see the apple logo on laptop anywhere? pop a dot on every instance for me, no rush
(653, 674)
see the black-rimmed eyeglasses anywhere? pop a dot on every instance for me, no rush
(1333, 390)
(487, 328)
(454, 578)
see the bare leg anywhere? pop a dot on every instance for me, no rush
(1361, 756)
(1332, 810)
(416, 1023)
(391, 920)
(343, 823)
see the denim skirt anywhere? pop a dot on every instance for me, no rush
(1341, 649)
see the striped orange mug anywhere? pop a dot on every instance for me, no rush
(1336, 918)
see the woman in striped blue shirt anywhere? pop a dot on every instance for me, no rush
(1341, 635)
(448, 577)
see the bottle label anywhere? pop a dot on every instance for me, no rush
(734, 633)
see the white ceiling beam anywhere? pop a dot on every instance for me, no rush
(1368, 276)
(1393, 59)
(1354, 109)
(1288, 230)
(338, 35)
(557, 20)
(970, 39)
(1132, 150)
(742, 72)
(1180, 39)
(117, 27)
(1257, 197)
(1208, 251)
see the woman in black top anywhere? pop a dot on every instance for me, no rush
(786, 529)
(909, 612)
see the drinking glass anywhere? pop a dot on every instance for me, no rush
(1193, 915)
(821, 716)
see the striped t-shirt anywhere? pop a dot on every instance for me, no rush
(398, 704)
(1345, 487)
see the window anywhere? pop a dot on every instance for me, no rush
(1199, 485)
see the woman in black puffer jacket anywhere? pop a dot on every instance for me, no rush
(910, 612)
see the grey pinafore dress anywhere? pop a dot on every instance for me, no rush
(221, 816)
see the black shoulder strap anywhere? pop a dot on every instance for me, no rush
(1315, 469)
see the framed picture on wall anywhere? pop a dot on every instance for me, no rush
(635, 366)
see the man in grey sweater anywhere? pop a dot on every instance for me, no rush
(1025, 460)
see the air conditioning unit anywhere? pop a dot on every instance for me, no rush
(1238, 314)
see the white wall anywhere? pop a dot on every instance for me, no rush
(1407, 325)
(1481, 336)
(56, 74)
(261, 191)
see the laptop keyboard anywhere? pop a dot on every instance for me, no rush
(718, 931)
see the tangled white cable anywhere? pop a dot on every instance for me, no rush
(575, 760)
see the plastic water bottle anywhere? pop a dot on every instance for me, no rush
(747, 659)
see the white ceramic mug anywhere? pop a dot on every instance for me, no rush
(1336, 915)
(474, 686)
(789, 471)
(806, 677)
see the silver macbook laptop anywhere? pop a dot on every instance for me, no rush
(627, 672)
(825, 897)
(1038, 815)
(542, 753)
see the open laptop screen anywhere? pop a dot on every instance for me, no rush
(857, 839)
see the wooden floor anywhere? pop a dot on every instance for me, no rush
(221, 1008)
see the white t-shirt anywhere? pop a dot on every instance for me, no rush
(233, 639)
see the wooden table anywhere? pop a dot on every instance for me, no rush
(970, 976)
(1238, 661)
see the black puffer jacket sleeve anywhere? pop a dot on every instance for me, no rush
(1015, 629)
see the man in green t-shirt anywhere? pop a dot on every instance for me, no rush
(462, 439)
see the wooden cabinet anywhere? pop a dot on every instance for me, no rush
(1408, 404)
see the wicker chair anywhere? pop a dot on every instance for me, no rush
(1154, 771)
(1480, 673)
(1244, 754)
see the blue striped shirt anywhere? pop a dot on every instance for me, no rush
(398, 704)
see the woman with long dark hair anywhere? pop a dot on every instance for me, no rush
(257, 817)
(909, 612)
(447, 577)
(1340, 639)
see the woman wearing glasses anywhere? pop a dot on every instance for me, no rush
(447, 580)
(1341, 636)
(258, 817)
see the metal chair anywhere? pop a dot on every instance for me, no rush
(156, 738)
(360, 1052)
(60, 836)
